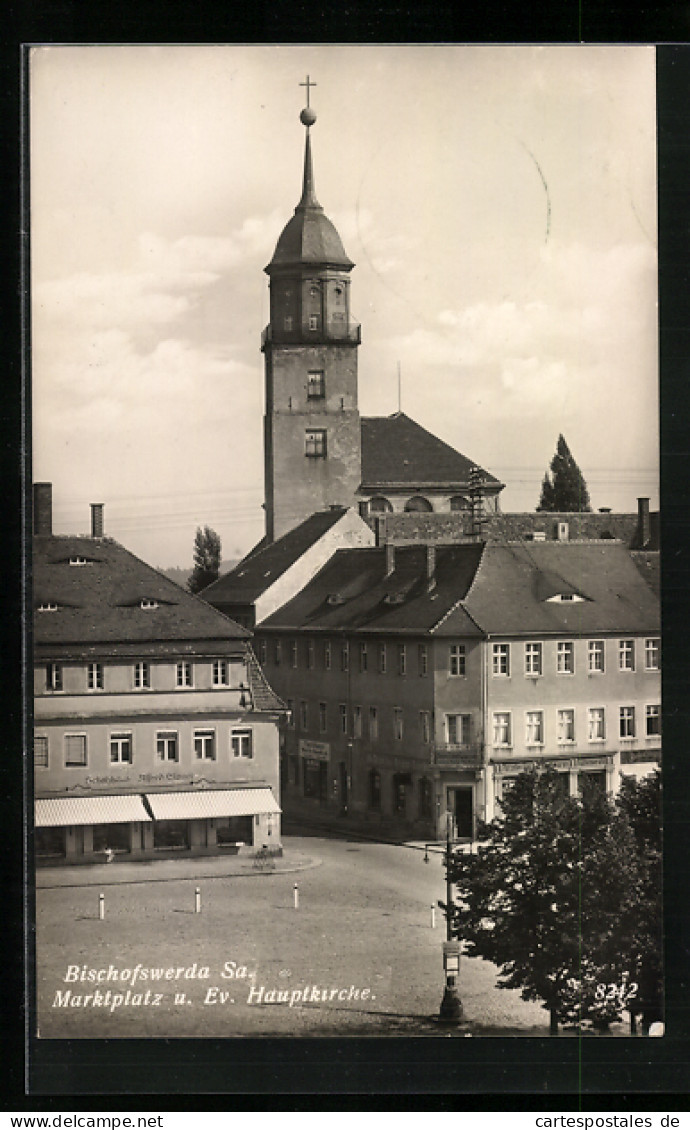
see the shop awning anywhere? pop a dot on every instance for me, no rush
(59, 811)
(212, 802)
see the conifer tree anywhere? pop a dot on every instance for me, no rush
(566, 490)
(207, 551)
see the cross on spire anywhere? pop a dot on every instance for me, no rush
(308, 85)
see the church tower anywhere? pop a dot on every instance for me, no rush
(312, 435)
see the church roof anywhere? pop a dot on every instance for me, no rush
(398, 451)
(309, 238)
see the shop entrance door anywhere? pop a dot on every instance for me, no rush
(460, 804)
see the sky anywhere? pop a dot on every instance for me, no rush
(499, 204)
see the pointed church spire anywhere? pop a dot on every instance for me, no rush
(308, 195)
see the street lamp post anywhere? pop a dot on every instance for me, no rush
(451, 1005)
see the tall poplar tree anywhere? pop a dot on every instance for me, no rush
(566, 490)
(207, 550)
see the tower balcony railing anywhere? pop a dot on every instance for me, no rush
(351, 336)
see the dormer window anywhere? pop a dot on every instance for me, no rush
(78, 560)
(148, 603)
(566, 598)
(47, 606)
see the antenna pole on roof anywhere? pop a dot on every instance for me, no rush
(399, 389)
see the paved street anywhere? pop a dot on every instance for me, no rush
(359, 955)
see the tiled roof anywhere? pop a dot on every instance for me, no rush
(353, 591)
(505, 589)
(514, 582)
(263, 566)
(262, 695)
(100, 602)
(397, 450)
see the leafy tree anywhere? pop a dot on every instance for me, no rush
(566, 490)
(207, 552)
(544, 896)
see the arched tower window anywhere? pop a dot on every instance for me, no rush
(459, 502)
(379, 505)
(418, 504)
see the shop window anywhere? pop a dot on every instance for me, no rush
(171, 835)
(425, 799)
(50, 843)
(112, 837)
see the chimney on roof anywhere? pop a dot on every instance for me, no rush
(430, 567)
(390, 558)
(644, 529)
(43, 509)
(96, 519)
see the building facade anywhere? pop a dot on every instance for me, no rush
(155, 731)
(421, 680)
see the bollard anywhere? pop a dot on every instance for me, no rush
(101, 905)
(433, 917)
(197, 901)
(296, 894)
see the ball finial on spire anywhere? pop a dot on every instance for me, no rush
(307, 117)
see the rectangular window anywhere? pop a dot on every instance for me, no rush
(565, 657)
(75, 749)
(95, 674)
(533, 659)
(595, 656)
(534, 727)
(398, 723)
(626, 655)
(287, 322)
(456, 659)
(166, 745)
(327, 655)
(310, 655)
(221, 677)
(363, 658)
(323, 717)
(290, 703)
(316, 385)
(343, 718)
(205, 745)
(277, 653)
(121, 749)
(458, 729)
(183, 674)
(596, 721)
(627, 721)
(402, 659)
(502, 735)
(653, 721)
(315, 443)
(425, 726)
(303, 715)
(40, 751)
(501, 659)
(374, 789)
(383, 658)
(313, 322)
(241, 743)
(142, 675)
(652, 655)
(373, 723)
(566, 726)
(357, 722)
(293, 653)
(262, 652)
(423, 659)
(54, 676)
(345, 657)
